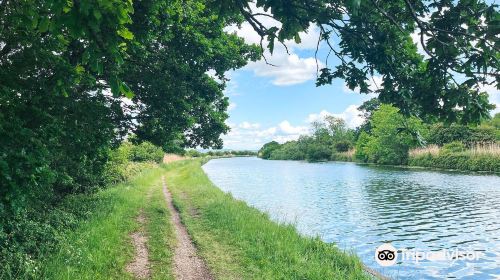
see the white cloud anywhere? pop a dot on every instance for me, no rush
(232, 106)
(289, 69)
(318, 117)
(247, 125)
(287, 128)
(351, 115)
(494, 96)
(251, 136)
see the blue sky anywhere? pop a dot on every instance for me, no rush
(279, 102)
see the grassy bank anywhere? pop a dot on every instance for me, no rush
(239, 242)
(100, 247)
(456, 156)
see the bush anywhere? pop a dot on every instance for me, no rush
(193, 153)
(318, 152)
(146, 151)
(470, 136)
(267, 149)
(453, 147)
(391, 137)
(289, 151)
(342, 146)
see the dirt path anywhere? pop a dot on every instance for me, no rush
(187, 264)
(139, 267)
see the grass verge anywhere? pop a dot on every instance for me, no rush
(100, 247)
(240, 242)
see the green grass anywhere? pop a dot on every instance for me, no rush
(240, 242)
(100, 247)
(237, 241)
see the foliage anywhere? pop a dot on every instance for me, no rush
(317, 152)
(289, 151)
(35, 230)
(391, 137)
(267, 149)
(77, 76)
(146, 152)
(342, 146)
(330, 135)
(453, 147)
(372, 38)
(367, 109)
(441, 134)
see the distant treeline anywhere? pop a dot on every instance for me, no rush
(389, 137)
(219, 153)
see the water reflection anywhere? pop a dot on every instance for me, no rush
(359, 207)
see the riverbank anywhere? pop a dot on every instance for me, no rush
(236, 241)
(477, 159)
(240, 242)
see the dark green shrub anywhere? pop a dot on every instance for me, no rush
(267, 149)
(470, 136)
(482, 135)
(146, 151)
(289, 151)
(318, 152)
(193, 153)
(342, 146)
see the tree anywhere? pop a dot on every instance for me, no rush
(391, 137)
(459, 39)
(76, 77)
(266, 151)
(332, 130)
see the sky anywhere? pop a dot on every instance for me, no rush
(279, 102)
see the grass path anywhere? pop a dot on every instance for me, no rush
(187, 264)
(102, 246)
(233, 240)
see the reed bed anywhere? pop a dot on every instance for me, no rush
(478, 149)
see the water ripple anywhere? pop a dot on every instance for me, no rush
(359, 207)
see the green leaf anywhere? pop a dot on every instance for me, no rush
(125, 90)
(97, 14)
(114, 83)
(125, 33)
(43, 26)
(100, 67)
(297, 39)
(79, 69)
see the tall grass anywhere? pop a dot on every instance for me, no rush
(240, 242)
(431, 149)
(343, 156)
(100, 247)
(481, 157)
(492, 149)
